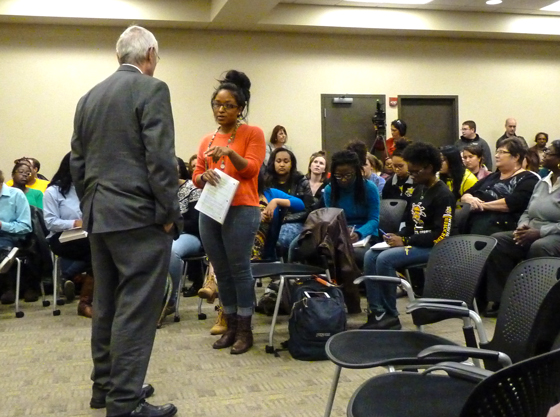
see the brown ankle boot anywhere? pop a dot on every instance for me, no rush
(86, 297)
(244, 335)
(220, 326)
(228, 338)
(209, 290)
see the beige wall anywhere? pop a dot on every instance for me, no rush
(46, 69)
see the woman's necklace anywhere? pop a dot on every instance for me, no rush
(230, 140)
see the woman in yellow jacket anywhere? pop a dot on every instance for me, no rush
(453, 171)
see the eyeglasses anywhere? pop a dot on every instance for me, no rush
(500, 152)
(345, 177)
(547, 151)
(415, 172)
(227, 106)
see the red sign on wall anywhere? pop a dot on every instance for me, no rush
(393, 101)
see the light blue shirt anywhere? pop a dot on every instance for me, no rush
(15, 213)
(59, 211)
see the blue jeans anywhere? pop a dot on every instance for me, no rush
(382, 297)
(289, 232)
(229, 248)
(186, 245)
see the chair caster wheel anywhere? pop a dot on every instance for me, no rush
(46, 303)
(259, 284)
(177, 319)
(185, 294)
(202, 316)
(60, 302)
(19, 314)
(269, 349)
(56, 313)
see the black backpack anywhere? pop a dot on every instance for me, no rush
(317, 314)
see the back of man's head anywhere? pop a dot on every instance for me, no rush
(133, 45)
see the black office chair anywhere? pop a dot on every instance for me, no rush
(459, 223)
(452, 276)
(527, 326)
(391, 212)
(526, 389)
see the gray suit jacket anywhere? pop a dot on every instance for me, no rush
(123, 153)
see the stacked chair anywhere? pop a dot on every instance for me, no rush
(527, 326)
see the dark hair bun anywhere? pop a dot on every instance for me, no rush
(239, 79)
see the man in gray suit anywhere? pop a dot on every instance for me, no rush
(124, 169)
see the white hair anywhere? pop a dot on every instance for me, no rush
(133, 44)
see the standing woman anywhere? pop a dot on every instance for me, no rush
(278, 139)
(238, 150)
(398, 131)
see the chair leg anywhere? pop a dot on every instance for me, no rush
(332, 393)
(176, 317)
(270, 346)
(19, 314)
(201, 315)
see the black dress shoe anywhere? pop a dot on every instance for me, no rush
(145, 409)
(147, 391)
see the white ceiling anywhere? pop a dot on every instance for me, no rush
(507, 6)
(513, 19)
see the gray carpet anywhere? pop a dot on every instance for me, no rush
(45, 367)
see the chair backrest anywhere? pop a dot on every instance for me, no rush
(525, 389)
(455, 267)
(390, 214)
(526, 307)
(460, 219)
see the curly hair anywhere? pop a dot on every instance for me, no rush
(422, 153)
(239, 85)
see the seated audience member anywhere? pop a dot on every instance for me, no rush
(371, 173)
(282, 174)
(184, 170)
(453, 172)
(20, 174)
(358, 198)
(428, 221)
(278, 140)
(15, 225)
(317, 173)
(32, 180)
(398, 132)
(361, 150)
(271, 201)
(188, 243)
(541, 139)
(399, 185)
(62, 212)
(538, 230)
(498, 201)
(473, 159)
(387, 169)
(531, 162)
(192, 164)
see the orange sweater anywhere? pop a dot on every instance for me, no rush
(249, 142)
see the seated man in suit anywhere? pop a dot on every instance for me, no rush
(15, 223)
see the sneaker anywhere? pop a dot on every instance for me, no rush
(382, 322)
(69, 290)
(8, 261)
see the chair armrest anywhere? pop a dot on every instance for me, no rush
(461, 371)
(452, 311)
(379, 278)
(446, 301)
(484, 354)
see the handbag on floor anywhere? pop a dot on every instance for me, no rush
(317, 314)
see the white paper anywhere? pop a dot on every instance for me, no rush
(215, 200)
(361, 243)
(380, 246)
